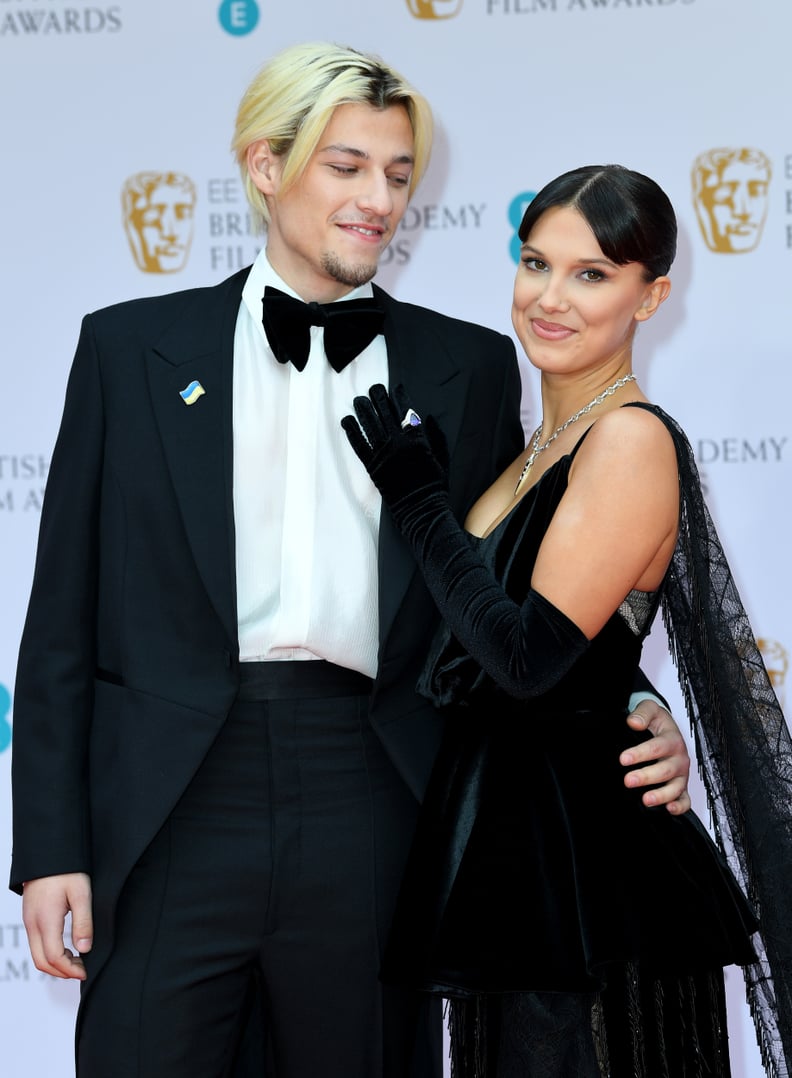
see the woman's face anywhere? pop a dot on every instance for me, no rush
(574, 309)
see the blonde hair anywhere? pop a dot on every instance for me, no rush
(292, 98)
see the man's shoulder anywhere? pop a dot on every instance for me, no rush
(160, 310)
(444, 324)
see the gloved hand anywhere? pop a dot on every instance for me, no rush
(406, 457)
(524, 647)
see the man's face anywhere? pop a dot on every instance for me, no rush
(736, 203)
(328, 230)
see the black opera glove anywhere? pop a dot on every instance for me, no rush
(525, 647)
(406, 457)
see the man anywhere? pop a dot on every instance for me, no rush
(219, 749)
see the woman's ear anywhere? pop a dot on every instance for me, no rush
(656, 292)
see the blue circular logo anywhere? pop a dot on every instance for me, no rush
(517, 207)
(238, 17)
(5, 725)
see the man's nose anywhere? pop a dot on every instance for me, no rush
(376, 196)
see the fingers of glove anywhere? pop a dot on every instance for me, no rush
(369, 420)
(428, 427)
(386, 407)
(356, 439)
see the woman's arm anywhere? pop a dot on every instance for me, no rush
(412, 478)
(526, 648)
(616, 525)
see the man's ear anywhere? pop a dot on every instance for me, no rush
(263, 166)
(656, 292)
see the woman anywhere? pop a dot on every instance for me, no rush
(557, 951)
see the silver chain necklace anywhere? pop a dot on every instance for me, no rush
(536, 449)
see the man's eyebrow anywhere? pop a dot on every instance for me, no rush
(353, 151)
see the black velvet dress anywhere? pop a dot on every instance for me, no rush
(577, 932)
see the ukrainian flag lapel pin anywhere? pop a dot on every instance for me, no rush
(191, 394)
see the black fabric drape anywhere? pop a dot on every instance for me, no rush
(743, 746)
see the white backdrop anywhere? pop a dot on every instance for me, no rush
(93, 94)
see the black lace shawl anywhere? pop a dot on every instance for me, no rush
(743, 747)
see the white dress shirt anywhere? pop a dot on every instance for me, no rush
(305, 510)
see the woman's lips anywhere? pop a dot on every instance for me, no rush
(550, 331)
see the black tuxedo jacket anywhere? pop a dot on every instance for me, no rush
(129, 658)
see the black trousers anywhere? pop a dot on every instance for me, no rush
(250, 932)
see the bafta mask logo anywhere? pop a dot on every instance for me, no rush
(434, 9)
(730, 195)
(158, 218)
(776, 660)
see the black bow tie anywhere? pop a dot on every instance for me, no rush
(349, 327)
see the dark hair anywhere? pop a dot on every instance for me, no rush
(629, 214)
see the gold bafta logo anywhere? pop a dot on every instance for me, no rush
(434, 9)
(730, 189)
(776, 660)
(158, 218)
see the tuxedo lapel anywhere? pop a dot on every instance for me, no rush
(198, 437)
(418, 359)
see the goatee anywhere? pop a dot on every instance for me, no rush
(346, 273)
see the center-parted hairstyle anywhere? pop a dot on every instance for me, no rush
(291, 100)
(630, 215)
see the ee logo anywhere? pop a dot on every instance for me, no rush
(5, 725)
(517, 207)
(238, 17)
